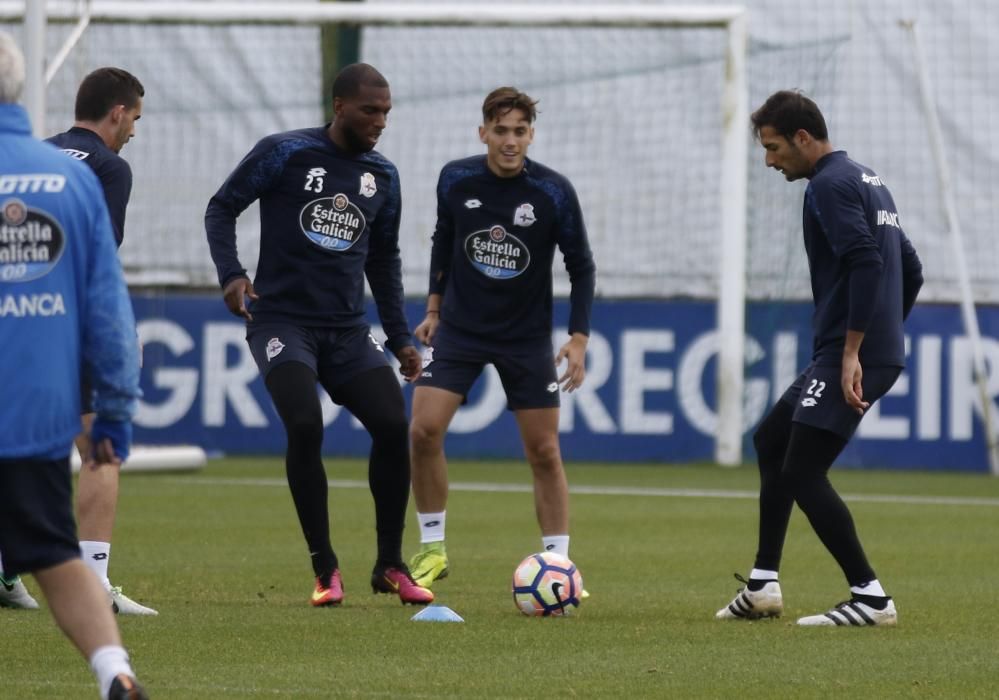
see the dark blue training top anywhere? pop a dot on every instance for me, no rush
(865, 272)
(328, 218)
(493, 249)
(111, 169)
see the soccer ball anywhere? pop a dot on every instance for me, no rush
(546, 584)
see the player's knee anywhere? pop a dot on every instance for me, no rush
(544, 455)
(304, 427)
(425, 437)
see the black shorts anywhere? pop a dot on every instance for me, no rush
(818, 399)
(529, 375)
(36, 501)
(340, 353)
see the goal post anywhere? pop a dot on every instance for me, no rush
(668, 258)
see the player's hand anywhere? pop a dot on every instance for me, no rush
(427, 329)
(410, 363)
(574, 352)
(235, 295)
(101, 453)
(851, 377)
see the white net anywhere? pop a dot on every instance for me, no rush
(631, 116)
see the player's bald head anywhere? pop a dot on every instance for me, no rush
(11, 70)
(352, 78)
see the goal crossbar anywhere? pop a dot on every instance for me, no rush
(436, 14)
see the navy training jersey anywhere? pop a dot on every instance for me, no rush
(865, 273)
(328, 218)
(493, 250)
(111, 169)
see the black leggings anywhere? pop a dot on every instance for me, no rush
(794, 461)
(375, 399)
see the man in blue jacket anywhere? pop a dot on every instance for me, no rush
(64, 308)
(865, 276)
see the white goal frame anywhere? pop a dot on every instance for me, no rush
(735, 130)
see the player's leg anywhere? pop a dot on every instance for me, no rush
(539, 433)
(96, 506)
(816, 441)
(433, 410)
(39, 536)
(286, 357)
(760, 595)
(449, 371)
(292, 387)
(375, 399)
(531, 385)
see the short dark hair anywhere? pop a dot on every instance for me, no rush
(103, 89)
(786, 111)
(348, 81)
(503, 100)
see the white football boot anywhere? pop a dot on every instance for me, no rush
(853, 613)
(121, 604)
(13, 594)
(753, 605)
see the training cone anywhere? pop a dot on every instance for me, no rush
(437, 613)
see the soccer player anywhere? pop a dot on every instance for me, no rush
(500, 217)
(63, 306)
(865, 276)
(329, 217)
(108, 103)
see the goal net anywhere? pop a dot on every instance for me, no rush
(639, 106)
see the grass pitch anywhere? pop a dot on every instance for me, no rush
(220, 555)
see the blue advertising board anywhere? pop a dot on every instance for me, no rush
(649, 393)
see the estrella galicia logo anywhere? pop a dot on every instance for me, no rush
(31, 242)
(496, 253)
(332, 223)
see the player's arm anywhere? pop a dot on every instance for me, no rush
(110, 347)
(441, 252)
(912, 275)
(254, 175)
(839, 208)
(575, 246)
(383, 268)
(116, 181)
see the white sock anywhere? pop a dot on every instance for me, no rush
(763, 575)
(106, 663)
(431, 526)
(870, 588)
(556, 543)
(96, 556)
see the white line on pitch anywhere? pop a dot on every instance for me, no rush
(484, 487)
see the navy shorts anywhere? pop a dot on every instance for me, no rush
(818, 399)
(529, 375)
(335, 354)
(36, 500)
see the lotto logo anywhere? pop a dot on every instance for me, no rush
(809, 402)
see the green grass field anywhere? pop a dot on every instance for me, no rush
(220, 554)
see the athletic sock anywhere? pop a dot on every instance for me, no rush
(871, 588)
(108, 662)
(878, 602)
(556, 543)
(96, 556)
(431, 526)
(758, 578)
